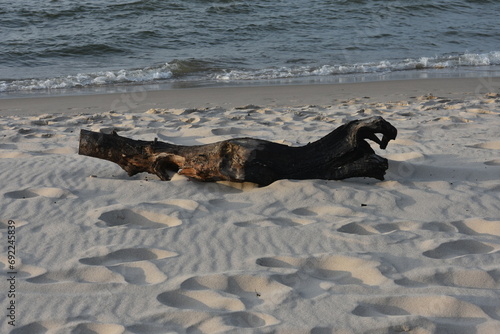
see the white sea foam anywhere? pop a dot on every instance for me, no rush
(438, 62)
(89, 79)
(190, 70)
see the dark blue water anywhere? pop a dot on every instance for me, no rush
(62, 44)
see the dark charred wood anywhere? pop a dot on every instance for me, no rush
(342, 154)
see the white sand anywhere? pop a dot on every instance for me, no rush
(99, 252)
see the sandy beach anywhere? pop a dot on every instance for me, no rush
(88, 249)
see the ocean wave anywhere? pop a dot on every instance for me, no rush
(195, 70)
(438, 62)
(102, 78)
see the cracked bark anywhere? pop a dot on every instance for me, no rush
(342, 154)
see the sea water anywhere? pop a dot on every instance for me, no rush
(58, 45)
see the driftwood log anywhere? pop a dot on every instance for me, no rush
(343, 153)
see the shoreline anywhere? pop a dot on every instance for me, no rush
(139, 99)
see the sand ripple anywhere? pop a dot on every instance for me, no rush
(100, 252)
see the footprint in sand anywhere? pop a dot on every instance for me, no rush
(203, 300)
(450, 276)
(231, 297)
(438, 227)
(48, 192)
(304, 216)
(251, 290)
(492, 145)
(458, 248)
(133, 264)
(23, 270)
(357, 228)
(137, 218)
(223, 292)
(427, 306)
(61, 326)
(127, 255)
(230, 320)
(146, 215)
(248, 320)
(475, 226)
(371, 229)
(80, 274)
(139, 272)
(309, 275)
(234, 322)
(324, 211)
(494, 162)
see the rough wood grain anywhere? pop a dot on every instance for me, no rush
(341, 154)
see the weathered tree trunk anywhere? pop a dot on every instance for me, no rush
(341, 154)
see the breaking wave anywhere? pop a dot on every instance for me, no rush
(194, 70)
